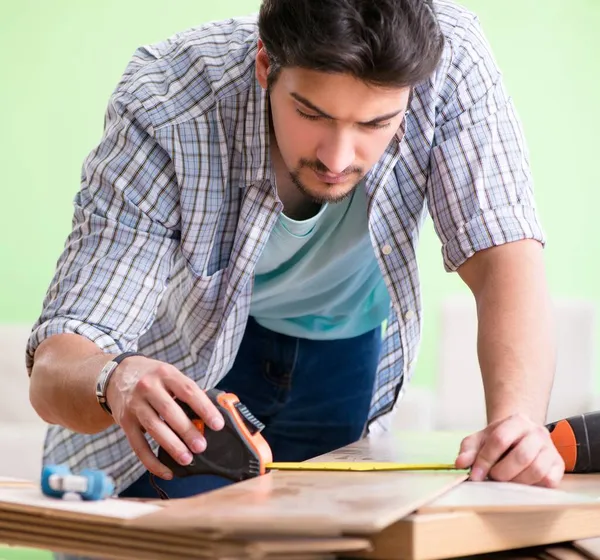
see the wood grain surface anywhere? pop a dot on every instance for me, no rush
(489, 496)
(307, 503)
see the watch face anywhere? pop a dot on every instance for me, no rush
(103, 381)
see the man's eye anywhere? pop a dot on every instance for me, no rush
(307, 116)
(377, 125)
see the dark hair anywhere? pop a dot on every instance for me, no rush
(393, 43)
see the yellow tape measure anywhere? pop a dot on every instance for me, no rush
(360, 466)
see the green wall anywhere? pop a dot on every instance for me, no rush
(60, 61)
(550, 55)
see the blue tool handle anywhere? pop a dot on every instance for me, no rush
(47, 472)
(100, 486)
(91, 485)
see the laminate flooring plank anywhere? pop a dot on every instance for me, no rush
(490, 496)
(307, 503)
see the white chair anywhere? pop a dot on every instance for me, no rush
(459, 396)
(21, 429)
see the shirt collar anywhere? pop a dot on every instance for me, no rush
(256, 160)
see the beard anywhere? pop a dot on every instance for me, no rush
(324, 197)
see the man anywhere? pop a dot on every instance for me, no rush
(249, 220)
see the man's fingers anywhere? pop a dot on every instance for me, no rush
(163, 435)
(188, 391)
(140, 447)
(546, 470)
(465, 459)
(555, 475)
(518, 459)
(497, 442)
(468, 450)
(177, 420)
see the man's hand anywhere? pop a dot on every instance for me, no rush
(513, 449)
(140, 395)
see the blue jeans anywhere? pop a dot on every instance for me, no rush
(313, 397)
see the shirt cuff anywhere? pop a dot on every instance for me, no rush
(66, 325)
(493, 227)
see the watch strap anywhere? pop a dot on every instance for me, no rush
(105, 376)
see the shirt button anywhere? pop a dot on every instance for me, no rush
(386, 249)
(409, 314)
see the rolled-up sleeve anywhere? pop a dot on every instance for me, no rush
(117, 258)
(480, 188)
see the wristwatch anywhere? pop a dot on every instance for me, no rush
(104, 378)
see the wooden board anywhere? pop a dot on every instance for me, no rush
(105, 550)
(30, 498)
(158, 540)
(440, 535)
(591, 547)
(306, 503)
(323, 503)
(28, 518)
(505, 496)
(281, 503)
(316, 503)
(89, 539)
(588, 484)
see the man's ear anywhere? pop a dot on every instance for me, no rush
(262, 65)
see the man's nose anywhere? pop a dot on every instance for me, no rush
(337, 152)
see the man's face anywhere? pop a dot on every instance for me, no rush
(331, 128)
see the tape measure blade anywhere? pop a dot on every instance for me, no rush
(359, 466)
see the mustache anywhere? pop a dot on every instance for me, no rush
(320, 167)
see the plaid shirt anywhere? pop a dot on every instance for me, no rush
(177, 203)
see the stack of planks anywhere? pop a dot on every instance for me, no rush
(309, 514)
